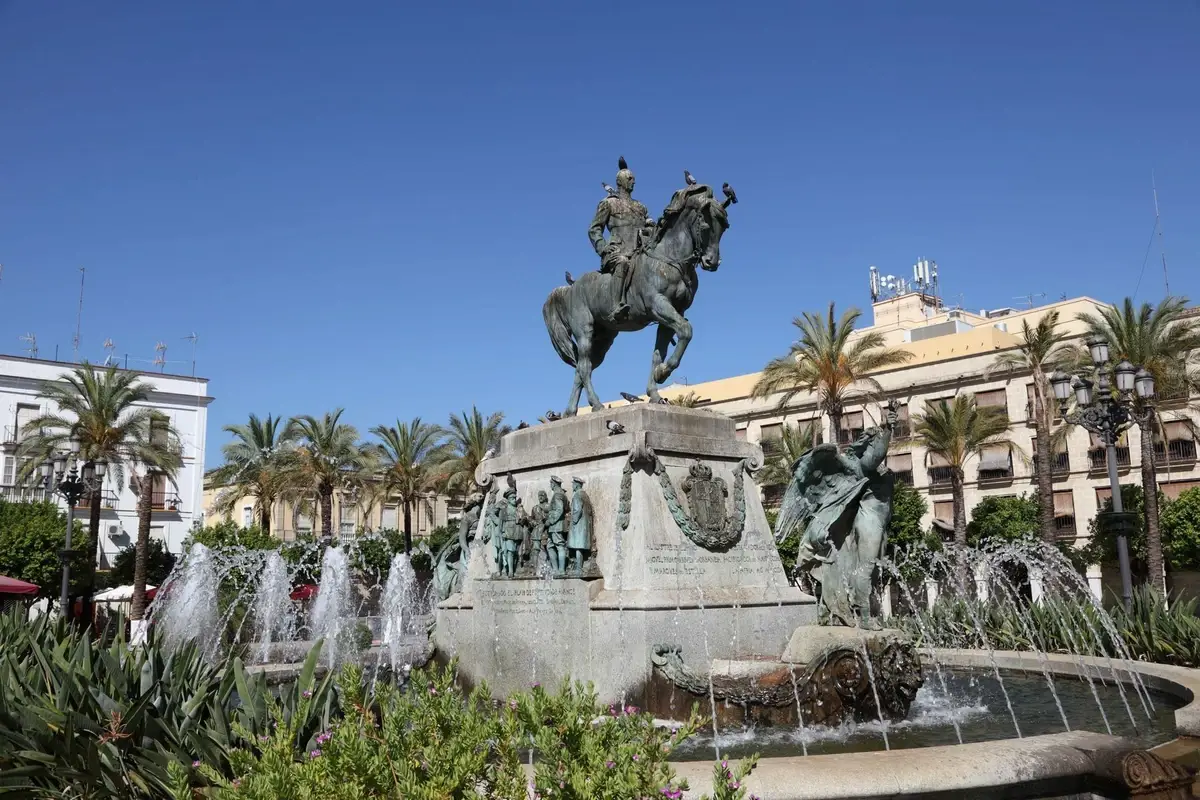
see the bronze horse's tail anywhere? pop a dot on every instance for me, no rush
(554, 312)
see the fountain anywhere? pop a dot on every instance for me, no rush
(657, 579)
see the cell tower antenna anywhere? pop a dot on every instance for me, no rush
(109, 349)
(79, 314)
(1158, 226)
(160, 357)
(193, 338)
(31, 341)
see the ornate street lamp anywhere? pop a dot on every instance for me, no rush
(62, 476)
(1107, 414)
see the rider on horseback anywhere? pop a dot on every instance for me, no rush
(625, 219)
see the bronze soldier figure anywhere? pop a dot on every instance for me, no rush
(624, 218)
(556, 525)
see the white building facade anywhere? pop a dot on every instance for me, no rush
(178, 504)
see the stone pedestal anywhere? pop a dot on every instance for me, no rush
(658, 586)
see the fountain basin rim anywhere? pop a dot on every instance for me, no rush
(1051, 765)
(1180, 682)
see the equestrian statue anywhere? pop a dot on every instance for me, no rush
(647, 275)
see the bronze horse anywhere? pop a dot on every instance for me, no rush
(663, 286)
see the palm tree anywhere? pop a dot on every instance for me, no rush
(827, 362)
(956, 432)
(1163, 340)
(161, 456)
(106, 411)
(688, 399)
(409, 454)
(253, 467)
(470, 439)
(327, 457)
(793, 442)
(1043, 349)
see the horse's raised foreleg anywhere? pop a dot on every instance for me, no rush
(661, 343)
(665, 314)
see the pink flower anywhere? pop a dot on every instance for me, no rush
(433, 690)
(609, 764)
(636, 757)
(315, 754)
(196, 763)
(307, 693)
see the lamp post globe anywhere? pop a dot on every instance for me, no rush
(1143, 383)
(1099, 350)
(1125, 376)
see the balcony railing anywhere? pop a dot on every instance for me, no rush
(1097, 461)
(16, 493)
(904, 476)
(999, 474)
(1031, 414)
(940, 477)
(773, 495)
(165, 501)
(1176, 451)
(1060, 465)
(1064, 525)
(903, 430)
(108, 500)
(848, 435)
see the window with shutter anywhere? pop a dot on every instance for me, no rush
(903, 428)
(1173, 490)
(390, 520)
(769, 438)
(995, 462)
(1064, 513)
(901, 465)
(944, 510)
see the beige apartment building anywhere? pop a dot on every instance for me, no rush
(351, 514)
(953, 353)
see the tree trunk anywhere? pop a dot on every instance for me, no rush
(264, 515)
(1045, 464)
(408, 527)
(960, 531)
(1154, 552)
(835, 425)
(145, 503)
(326, 500)
(960, 506)
(88, 585)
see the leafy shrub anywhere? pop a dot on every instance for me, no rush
(226, 534)
(78, 719)
(435, 741)
(159, 563)
(31, 534)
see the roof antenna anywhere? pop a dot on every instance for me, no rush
(31, 340)
(1158, 225)
(193, 338)
(109, 348)
(79, 315)
(160, 358)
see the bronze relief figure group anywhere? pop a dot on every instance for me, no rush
(554, 537)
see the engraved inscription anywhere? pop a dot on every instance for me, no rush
(528, 597)
(687, 560)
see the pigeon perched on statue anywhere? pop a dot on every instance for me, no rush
(687, 177)
(729, 193)
(553, 416)
(614, 428)
(611, 191)
(569, 278)
(631, 398)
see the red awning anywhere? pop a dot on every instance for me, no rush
(305, 592)
(14, 586)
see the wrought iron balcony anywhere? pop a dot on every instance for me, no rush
(1176, 451)
(1097, 461)
(940, 477)
(1064, 525)
(17, 493)
(165, 501)
(1060, 466)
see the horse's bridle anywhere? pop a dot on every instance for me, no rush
(691, 261)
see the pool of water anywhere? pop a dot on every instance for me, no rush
(975, 701)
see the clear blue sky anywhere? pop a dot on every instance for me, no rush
(365, 204)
